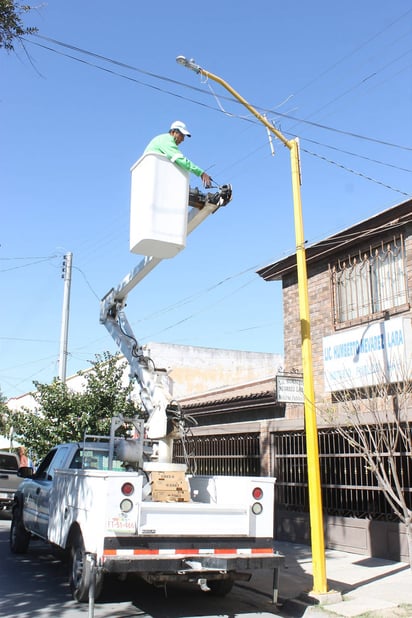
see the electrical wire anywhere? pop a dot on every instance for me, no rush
(36, 261)
(360, 174)
(233, 100)
(203, 309)
(275, 112)
(354, 154)
(87, 282)
(357, 85)
(352, 53)
(221, 109)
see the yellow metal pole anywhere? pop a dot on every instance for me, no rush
(314, 484)
(315, 496)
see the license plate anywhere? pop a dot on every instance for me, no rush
(121, 524)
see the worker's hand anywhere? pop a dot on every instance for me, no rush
(207, 181)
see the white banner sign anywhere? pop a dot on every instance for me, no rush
(289, 388)
(368, 355)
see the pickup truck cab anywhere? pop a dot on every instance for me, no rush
(35, 490)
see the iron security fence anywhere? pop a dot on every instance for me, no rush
(349, 487)
(236, 455)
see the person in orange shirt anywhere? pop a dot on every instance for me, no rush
(23, 459)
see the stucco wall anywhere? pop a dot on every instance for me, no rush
(191, 369)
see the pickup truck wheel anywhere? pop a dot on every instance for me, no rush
(220, 587)
(19, 537)
(81, 573)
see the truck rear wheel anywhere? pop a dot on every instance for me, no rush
(80, 577)
(19, 537)
(220, 587)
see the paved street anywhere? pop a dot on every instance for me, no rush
(35, 586)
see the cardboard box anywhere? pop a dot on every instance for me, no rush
(169, 480)
(170, 495)
(170, 486)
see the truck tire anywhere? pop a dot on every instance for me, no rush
(19, 537)
(220, 587)
(80, 576)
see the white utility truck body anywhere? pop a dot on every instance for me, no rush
(109, 522)
(103, 499)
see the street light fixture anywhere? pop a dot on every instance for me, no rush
(315, 497)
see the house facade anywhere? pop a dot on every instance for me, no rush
(360, 288)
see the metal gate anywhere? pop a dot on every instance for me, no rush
(230, 454)
(349, 487)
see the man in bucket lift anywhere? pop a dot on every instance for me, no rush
(168, 144)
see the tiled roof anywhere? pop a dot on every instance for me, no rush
(259, 389)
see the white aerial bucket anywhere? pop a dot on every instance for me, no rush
(158, 207)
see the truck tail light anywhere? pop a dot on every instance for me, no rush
(127, 489)
(126, 505)
(257, 508)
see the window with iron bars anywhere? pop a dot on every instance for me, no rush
(369, 283)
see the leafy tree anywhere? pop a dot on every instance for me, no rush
(4, 429)
(11, 23)
(65, 416)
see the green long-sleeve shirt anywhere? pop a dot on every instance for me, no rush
(165, 144)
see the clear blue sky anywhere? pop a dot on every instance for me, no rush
(74, 123)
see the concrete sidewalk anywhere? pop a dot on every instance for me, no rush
(367, 586)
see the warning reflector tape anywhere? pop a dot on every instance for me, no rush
(187, 552)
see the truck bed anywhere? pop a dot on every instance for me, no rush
(219, 506)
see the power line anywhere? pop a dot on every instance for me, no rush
(37, 261)
(358, 84)
(360, 174)
(274, 112)
(27, 340)
(202, 91)
(352, 53)
(354, 154)
(340, 131)
(87, 282)
(31, 257)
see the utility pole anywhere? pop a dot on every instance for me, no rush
(67, 276)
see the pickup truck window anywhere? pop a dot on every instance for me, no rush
(8, 462)
(59, 460)
(42, 470)
(94, 459)
(54, 459)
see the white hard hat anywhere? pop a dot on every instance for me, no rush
(180, 126)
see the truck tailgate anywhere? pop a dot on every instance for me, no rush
(193, 518)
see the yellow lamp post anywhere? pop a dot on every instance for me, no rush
(315, 497)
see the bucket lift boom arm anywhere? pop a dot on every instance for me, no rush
(163, 421)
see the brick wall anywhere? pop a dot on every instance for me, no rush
(321, 317)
